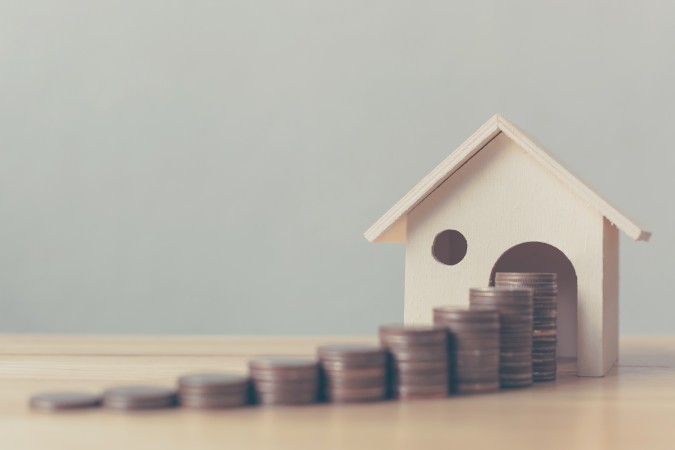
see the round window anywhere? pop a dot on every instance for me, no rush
(449, 247)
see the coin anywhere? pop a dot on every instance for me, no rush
(213, 382)
(409, 335)
(368, 394)
(477, 388)
(286, 398)
(277, 368)
(67, 400)
(214, 401)
(139, 397)
(352, 355)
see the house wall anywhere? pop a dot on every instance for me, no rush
(610, 281)
(498, 199)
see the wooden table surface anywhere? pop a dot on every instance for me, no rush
(632, 408)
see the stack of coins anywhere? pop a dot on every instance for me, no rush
(213, 390)
(353, 373)
(64, 401)
(418, 360)
(515, 330)
(284, 381)
(545, 312)
(128, 398)
(473, 347)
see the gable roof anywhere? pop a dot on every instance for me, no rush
(391, 227)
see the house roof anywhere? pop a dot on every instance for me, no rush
(391, 227)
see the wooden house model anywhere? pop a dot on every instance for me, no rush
(499, 203)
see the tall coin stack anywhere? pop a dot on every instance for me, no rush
(418, 359)
(515, 330)
(284, 381)
(473, 349)
(353, 373)
(544, 332)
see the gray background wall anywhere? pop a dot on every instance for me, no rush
(210, 166)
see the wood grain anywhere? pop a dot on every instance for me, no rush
(631, 408)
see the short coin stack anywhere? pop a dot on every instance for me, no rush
(418, 360)
(474, 348)
(284, 381)
(545, 313)
(213, 390)
(353, 373)
(515, 330)
(64, 401)
(128, 398)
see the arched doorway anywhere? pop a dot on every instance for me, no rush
(541, 257)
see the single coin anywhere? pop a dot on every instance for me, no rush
(525, 375)
(412, 397)
(67, 400)
(545, 362)
(139, 397)
(545, 301)
(464, 315)
(421, 389)
(515, 384)
(475, 367)
(282, 364)
(538, 378)
(283, 368)
(285, 385)
(364, 372)
(540, 310)
(349, 350)
(515, 304)
(352, 355)
(529, 275)
(474, 329)
(436, 347)
(434, 354)
(544, 342)
(544, 359)
(477, 388)
(476, 376)
(460, 343)
(544, 333)
(516, 348)
(356, 395)
(544, 370)
(538, 353)
(347, 383)
(526, 283)
(417, 379)
(421, 366)
(354, 363)
(476, 352)
(213, 382)
(488, 377)
(522, 283)
(520, 343)
(283, 398)
(515, 359)
(541, 362)
(500, 291)
(473, 347)
(412, 334)
(213, 401)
